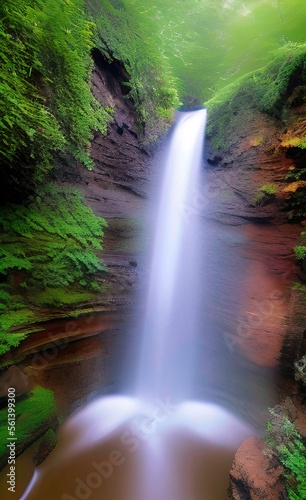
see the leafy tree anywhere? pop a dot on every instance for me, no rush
(202, 39)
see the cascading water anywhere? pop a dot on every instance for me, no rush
(158, 443)
(166, 359)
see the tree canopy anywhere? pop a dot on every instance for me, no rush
(210, 43)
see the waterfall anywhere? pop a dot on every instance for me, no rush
(160, 443)
(168, 330)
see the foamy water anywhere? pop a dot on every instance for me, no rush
(123, 449)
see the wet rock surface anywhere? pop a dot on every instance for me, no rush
(253, 477)
(273, 330)
(115, 189)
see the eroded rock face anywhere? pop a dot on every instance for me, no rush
(118, 187)
(253, 477)
(254, 159)
(115, 189)
(258, 156)
(121, 162)
(261, 153)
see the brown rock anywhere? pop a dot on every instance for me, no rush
(253, 476)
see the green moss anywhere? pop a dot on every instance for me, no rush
(50, 246)
(299, 286)
(296, 142)
(124, 33)
(268, 188)
(46, 100)
(286, 444)
(264, 90)
(59, 297)
(265, 193)
(32, 413)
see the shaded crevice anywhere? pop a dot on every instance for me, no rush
(113, 71)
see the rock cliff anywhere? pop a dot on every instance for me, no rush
(263, 152)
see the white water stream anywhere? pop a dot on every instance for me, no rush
(170, 321)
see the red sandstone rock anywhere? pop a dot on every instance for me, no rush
(253, 476)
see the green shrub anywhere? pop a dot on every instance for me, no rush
(46, 100)
(125, 33)
(51, 244)
(286, 444)
(53, 239)
(264, 90)
(300, 252)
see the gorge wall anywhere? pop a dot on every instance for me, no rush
(262, 151)
(73, 350)
(74, 356)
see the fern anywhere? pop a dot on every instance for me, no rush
(125, 33)
(54, 240)
(286, 443)
(51, 243)
(46, 100)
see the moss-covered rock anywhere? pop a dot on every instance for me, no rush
(48, 257)
(266, 90)
(34, 415)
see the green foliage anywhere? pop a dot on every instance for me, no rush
(299, 286)
(265, 90)
(265, 193)
(268, 188)
(293, 457)
(296, 142)
(10, 340)
(53, 241)
(52, 245)
(46, 101)
(126, 34)
(300, 252)
(202, 39)
(59, 297)
(66, 39)
(286, 444)
(13, 313)
(32, 413)
(295, 174)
